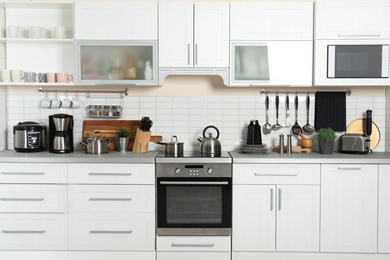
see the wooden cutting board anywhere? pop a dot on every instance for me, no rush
(108, 129)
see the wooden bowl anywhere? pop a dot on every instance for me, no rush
(306, 143)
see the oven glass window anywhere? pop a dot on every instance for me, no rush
(357, 61)
(194, 205)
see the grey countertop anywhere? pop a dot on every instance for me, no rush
(11, 156)
(336, 157)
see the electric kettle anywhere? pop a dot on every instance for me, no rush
(210, 146)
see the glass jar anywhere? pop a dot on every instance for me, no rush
(92, 110)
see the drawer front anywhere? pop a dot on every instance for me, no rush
(193, 243)
(111, 173)
(111, 198)
(276, 174)
(33, 232)
(33, 173)
(112, 231)
(31, 198)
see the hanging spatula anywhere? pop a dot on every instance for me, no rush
(296, 128)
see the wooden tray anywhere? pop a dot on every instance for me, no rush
(108, 129)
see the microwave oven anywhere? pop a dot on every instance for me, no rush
(354, 62)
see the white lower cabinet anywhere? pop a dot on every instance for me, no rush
(193, 247)
(349, 208)
(112, 207)
(384, 209)
(268, 216)
(33, 231)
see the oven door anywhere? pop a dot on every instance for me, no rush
(194, 206)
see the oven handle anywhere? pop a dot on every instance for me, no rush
(194, 183)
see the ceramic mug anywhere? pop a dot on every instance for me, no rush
(30, 77)
(6, 75)
(56, 102)
(59, 32)
(51, 77)
(37, 32)
(46, 102)
(76, 102)
(63, 77)
(67, 102)
(42, 78)
(17, 75)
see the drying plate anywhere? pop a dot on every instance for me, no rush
(358, 126)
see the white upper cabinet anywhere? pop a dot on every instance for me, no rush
(346, 19)
(193, 35)
(116, 21)
(271, 21)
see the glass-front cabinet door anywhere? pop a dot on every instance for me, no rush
(116, 63)
(249, 63)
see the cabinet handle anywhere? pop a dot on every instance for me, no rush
(359, 35)
(23, 173)
(349, 168)
(110, 199)
(109, 174)
(276, 175)
(192, 245)
(272, 199)
(279, 199)
(110, 232)
(189, 53)
(23, 231)
(196, 54)
(22, 199)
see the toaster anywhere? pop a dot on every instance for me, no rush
(354, 143)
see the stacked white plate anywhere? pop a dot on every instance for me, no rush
(254, 148)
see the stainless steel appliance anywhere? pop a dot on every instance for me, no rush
(61, 133)
(194, 195)
(210, 146)
(358, 61)
(29, 137)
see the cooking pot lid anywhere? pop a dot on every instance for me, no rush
(95, 138)
(29, 125)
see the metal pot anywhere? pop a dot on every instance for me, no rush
(210, 146)
(173, 148)
(96, 144)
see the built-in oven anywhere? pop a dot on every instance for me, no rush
(194, 197)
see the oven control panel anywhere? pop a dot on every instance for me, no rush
(194, 170)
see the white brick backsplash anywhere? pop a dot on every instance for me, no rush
(186, 117)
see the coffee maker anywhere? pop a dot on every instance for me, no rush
(61, 133)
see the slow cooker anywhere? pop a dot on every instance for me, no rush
(29, 137)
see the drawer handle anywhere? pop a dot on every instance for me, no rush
(349, 168)
(23, 231)
(110, 232)
(109, 174)
(23, 173)
(110, 199)
(22, 199)
(276, 175)
(359, 35)
(192, 245)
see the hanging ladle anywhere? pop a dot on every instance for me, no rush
(267, 127)
(277, 126)
(308, 128)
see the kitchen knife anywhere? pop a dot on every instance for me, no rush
(369, 126)
(287, 104)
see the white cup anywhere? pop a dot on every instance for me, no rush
(59, 32)
(46, 102)
(56, 102)
(14, 31)
(76, 102)
(6, 75)
(67, 102)
(17, 75)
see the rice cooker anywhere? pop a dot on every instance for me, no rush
(29, 137)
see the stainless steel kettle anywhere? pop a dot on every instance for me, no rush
(210, 146)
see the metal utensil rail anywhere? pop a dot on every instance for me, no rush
(87, 92)
(264, 92)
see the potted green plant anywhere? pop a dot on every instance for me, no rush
(326, 137)
(123, 134)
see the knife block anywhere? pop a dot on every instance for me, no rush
(141, 141)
